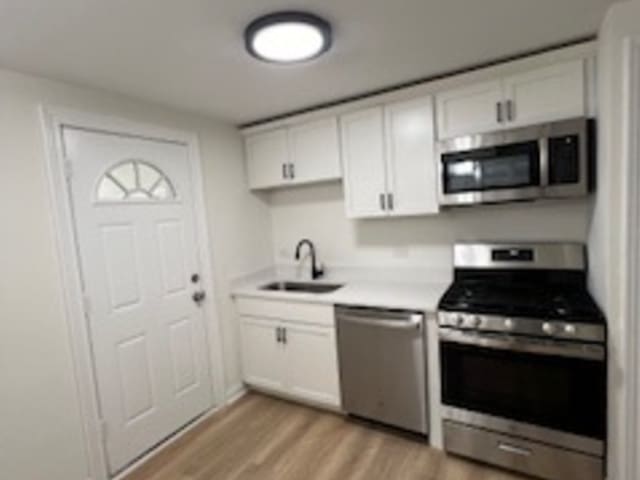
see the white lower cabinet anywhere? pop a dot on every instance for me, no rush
(311, 363)
(262, 356)
(291, 357)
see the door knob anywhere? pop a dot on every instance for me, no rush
(199, 296)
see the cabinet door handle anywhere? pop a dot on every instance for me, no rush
(499, 116)
(383, 204)
(292, 172)
(390, 201)
(278, 335)
(284, 170)
(510, 111)
(284, 335)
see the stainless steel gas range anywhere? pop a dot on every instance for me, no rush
(523, 359)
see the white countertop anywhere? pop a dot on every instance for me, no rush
(401, 295)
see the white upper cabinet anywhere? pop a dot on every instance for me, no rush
(315, 151)
(304, 153)
(363, 159)
(267, 158)
(542, 95)
(389, 160)
(470, 109)
(411, 171)
(546, 94)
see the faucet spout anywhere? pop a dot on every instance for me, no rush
(316, 271)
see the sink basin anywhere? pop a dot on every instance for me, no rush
(302, 287)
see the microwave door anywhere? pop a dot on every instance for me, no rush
(506, 172)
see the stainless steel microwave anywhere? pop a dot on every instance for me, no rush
(551, 160)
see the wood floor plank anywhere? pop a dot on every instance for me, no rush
(262, 438)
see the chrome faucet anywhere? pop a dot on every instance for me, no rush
(316, 271)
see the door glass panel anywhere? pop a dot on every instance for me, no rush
(135, 180)
(148, 176)
(109, 190)
(162, 191)
(125, 175)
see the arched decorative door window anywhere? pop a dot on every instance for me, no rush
(135, 180)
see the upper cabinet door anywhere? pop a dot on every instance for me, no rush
(411, 162)
(547, 94)
(363, 163)
(315, 151)
(471, 109)
(267, 159)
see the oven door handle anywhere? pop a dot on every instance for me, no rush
(584, 351)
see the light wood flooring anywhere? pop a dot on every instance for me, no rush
(261, 438)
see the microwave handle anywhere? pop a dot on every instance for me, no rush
(543, 145)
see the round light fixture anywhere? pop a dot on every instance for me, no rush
(288, 37)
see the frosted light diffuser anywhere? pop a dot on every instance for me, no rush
(288, 37)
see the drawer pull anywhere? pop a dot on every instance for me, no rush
(505, 447)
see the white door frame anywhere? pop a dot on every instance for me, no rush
(58, 169)
(629, 440)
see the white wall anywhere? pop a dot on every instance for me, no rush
(318, 213)
(606, 237)
(40, 430)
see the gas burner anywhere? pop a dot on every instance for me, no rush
(543, 292)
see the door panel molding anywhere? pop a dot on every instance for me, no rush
(53, 121)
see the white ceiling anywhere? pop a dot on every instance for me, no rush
(189, 54)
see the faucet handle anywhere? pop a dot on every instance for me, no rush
(318, 271)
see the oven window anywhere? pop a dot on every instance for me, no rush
(555, 392)
(510, 166)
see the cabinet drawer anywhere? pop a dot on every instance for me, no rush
(313, 313)
(531, 458)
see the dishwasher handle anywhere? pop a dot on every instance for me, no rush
(413, 322)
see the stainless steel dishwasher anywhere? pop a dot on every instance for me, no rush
(382, 358)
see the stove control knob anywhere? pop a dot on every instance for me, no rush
(508, 324)
(458, 320)
(476, 321)
(548, 328)
(570, 329)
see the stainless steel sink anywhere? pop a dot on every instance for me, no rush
(302, 287)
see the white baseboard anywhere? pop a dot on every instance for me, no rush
(235, 393)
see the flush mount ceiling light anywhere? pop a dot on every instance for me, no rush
(288, 37)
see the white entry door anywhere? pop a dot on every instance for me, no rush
(135, 224)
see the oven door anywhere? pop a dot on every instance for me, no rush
(491, 174)
(560, 386)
